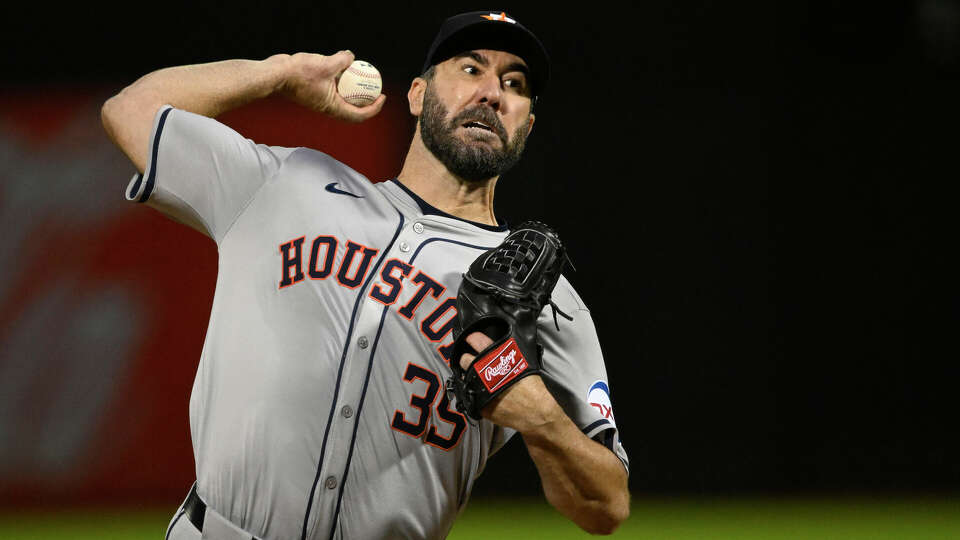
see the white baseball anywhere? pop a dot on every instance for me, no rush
(360, 84)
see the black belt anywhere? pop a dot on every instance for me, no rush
(194, 508)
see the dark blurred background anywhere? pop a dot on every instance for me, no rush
(756, 199)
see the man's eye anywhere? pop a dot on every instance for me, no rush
(514, 83)
(472, 70)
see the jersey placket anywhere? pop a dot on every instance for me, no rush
(347, 406)
(358, 371)
(374, 315)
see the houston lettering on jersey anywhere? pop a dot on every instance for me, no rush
(351, 271)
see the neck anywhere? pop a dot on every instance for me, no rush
(426, 176)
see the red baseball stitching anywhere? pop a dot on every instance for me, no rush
(368, 96)
(356, 71)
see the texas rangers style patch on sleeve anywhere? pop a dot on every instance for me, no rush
(599, 398)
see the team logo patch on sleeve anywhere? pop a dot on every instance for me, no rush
(502, 366)
(599, 398)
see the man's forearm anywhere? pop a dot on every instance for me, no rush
(214, 88)
(581, 478)
(206, 89)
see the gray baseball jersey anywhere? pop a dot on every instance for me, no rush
(318, 409)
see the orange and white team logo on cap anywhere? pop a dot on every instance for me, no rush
(501, 17)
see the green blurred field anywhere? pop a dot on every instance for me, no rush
(769, 518)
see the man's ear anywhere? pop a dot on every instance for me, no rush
(530, 120)
(415, 95)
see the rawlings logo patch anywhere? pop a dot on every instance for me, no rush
(599, 398)
(502, 366)
(501, 369)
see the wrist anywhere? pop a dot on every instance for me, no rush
(277, 69)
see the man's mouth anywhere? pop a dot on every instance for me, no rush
(478, 125)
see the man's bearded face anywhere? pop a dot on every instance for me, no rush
(472, 160)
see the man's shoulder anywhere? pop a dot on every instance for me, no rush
(316, 161)
(323, 170)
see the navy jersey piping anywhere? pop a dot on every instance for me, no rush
(594, 425)
(431, 240)
(363, 394)
(356, 424)
(343, 358)
(148, 189)
(430, 210)
(174, 523)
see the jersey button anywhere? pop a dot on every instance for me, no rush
(418, 227)
(404, 247)
(363, 342)
(346, 411)
(331, 482)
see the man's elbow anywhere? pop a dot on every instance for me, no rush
(117, 112)
(112, 118)
(108, 116)
(119, 109)
(127, 118)
(612, 520)
(605, 518)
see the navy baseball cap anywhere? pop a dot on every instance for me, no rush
(491, 30)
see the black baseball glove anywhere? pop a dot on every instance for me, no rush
(502, 295)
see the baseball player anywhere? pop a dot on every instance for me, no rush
(319, 408)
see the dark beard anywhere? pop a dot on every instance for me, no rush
(471, 162)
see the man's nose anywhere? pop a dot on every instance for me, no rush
(489, 92)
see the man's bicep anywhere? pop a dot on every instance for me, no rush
(201, 172)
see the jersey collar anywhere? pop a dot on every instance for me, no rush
(429, 210)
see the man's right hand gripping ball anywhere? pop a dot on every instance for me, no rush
(311, 81)
(501, 296)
